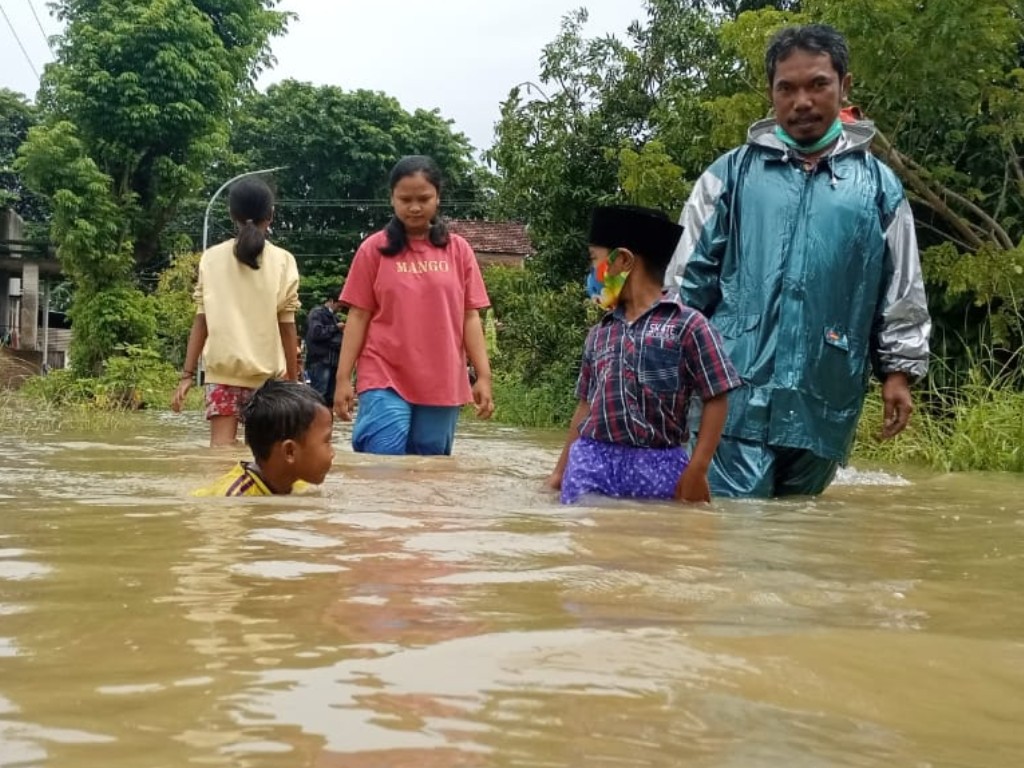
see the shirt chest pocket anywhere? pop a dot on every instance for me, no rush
(660, 362)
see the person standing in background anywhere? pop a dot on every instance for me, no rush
(324, 332)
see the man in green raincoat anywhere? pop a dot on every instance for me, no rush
(800, 248)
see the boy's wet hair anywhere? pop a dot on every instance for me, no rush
(278, 411)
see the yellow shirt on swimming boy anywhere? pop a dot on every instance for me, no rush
(244, 479)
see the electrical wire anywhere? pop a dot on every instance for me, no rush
(39, 23)
(20, 44)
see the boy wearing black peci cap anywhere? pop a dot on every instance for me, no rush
(641, 363)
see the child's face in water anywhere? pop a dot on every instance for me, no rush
(314, 453)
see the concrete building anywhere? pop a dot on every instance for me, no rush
(27, 270)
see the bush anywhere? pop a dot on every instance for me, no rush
(539, 336)
(175, 309)
(106, 320)
(60, 388)
(134, 379)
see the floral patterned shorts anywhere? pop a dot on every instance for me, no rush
(225, 400)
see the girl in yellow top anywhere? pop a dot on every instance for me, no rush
(246, 298)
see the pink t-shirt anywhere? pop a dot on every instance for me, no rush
(418, 302)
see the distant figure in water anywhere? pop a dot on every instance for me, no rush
(289, 429)
(246, 299)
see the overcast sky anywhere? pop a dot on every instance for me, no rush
(460, 56)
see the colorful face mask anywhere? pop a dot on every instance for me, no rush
(602, 287)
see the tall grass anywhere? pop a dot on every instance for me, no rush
(976, 424)
(23, 416)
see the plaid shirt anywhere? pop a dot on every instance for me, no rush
(638, 377)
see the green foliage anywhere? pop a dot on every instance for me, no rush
(132, 113)
(137, 378)
(648, 177)
(17, 116)
(108, 321)
(149, 87)
(59, 388)
(87, 221)
(174, 307)
(539, 339)
(976, 426)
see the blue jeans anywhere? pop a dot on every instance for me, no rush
(322, 378)
(386, 424)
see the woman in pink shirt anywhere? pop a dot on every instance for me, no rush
(414, 294)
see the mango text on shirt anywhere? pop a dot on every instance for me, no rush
(421, 267)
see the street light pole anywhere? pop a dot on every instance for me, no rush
(225, 185)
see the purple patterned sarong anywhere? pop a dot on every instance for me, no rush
(621, 470)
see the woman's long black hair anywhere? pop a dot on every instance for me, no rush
(395, 230)
(251, 204)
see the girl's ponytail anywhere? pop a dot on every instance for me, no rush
(252, 207)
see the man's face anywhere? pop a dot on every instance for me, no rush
(807, 94)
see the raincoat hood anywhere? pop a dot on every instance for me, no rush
(856, 137)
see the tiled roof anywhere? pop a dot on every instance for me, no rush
(493, 236)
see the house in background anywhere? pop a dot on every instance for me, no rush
(28, 337)
(496, 243)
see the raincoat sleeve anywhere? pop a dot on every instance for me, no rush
(697, 262)
(902, 323)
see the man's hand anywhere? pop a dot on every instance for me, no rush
(693, 487)
(898, 404)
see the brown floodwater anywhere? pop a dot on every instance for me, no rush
(448, 612)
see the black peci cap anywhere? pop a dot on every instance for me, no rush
(645, 231)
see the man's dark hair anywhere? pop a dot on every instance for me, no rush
(813, 38)
(277, 411)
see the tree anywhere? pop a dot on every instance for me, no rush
(133, 111)
(622, 121)
(17, 115)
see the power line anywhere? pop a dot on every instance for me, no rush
(20, 44)
(46, 37)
